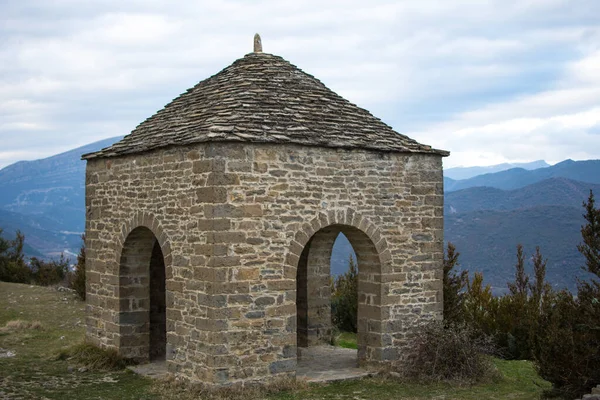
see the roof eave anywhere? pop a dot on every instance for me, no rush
(103, 154)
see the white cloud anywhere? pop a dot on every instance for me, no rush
(554, 124)
(465, 75)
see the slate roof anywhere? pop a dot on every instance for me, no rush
(262, 98)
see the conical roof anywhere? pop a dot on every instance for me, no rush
(263, 98)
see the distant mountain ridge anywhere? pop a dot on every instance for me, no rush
(549, 192)
(458, 173)
(486, 216)
(46, 199)
(584, 171)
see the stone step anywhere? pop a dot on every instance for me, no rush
(157, 369)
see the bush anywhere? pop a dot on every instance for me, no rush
(12, 264)
(480, 306)
(454, 285)
(344, 299)
(78, 281)
(49, 273)
(566, 350)
(511, 320)
(454, 353)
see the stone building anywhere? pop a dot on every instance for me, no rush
(210, 227)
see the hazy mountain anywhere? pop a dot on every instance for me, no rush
(46, 200)
(469, 172)
(42, 238)
(487, 242)
(585, 171)
(486, 224)
(553, 191)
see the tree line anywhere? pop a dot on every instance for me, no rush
(14, 267)
(557, 329)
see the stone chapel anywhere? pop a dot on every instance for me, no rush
(210, 227)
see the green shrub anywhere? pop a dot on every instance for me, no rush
(12, 264)
(480, 306)
(590, 233)
(344, 299)
(49, 273)
(511, 320)
(78, 280)
(454, 285)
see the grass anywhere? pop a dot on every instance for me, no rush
(45, 328)
(93, 358)
(346, 340)
(519, 382)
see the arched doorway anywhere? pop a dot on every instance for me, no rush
(313, 291)
(142, 298)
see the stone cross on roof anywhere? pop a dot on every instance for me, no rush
(257, 44)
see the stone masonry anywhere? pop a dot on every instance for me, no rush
(214, 253)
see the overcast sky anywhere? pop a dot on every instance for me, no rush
(491, 81)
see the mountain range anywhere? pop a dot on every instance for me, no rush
(486, 215)
(495, 212)
(457, 173)
(45, 199)
(585, 171)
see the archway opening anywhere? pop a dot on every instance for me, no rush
(142, 300)
(158, 305)
(344, 293)
(314, 294)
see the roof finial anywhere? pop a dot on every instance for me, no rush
(257, 44)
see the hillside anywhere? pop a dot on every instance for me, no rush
(45, 199)
(553, 191)
(584, 171)
(486, 224)
(51, 184)
(487, 241)
(41, 238)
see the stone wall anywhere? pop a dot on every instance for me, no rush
(232, 221)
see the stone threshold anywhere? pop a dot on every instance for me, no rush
(155, 370)
(318, 364)
(321, 364)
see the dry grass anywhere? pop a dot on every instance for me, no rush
(93, 358)
(21, 325)
(174, 389)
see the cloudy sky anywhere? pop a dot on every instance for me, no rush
(491, 81)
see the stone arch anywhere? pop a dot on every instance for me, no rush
(143, 269)
(347, 217)
(312, 271)
(147, 220)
